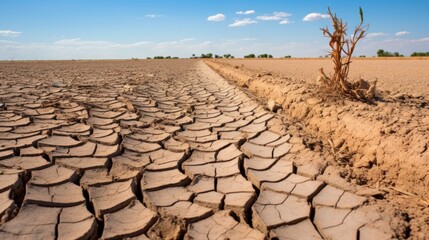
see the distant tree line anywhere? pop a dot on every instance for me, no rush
(382, 53)
(162, 57)
(251, 55)
(210, 55)
(420, 54)
(265, 56)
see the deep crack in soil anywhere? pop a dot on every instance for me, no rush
(163, 149)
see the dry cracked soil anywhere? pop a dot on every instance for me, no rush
(163, 150)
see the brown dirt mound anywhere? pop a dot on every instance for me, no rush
(384, 145)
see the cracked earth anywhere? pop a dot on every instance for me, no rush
(124, 150)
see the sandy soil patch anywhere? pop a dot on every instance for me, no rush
(407, 76)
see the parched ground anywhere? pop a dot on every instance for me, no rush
(407, 75)
(382, 144)
(164, 150)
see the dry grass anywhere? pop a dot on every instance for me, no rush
(342, 48)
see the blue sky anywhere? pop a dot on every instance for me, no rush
(82, 29)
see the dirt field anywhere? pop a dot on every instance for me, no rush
(169, 150)
(408, 76)
(383, 144)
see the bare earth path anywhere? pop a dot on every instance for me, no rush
(165, 151)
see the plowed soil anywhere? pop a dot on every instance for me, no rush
(408, 75)
(169, 150)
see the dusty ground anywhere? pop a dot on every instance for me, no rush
(166, 150)
(407, 76)
(383, 144)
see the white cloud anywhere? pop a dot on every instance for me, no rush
(285, 22)
(421, 40)
(187, 39)
(154, 15)
(246, 12)
(242, 22)
(85, 44)
(274, 17)
(216, 18)
(136, 44)
(79, 42)
(376, 34)
(205, 44)
(402, 33)
(68, 41)
(247, 39)
(9, 33)
(314, 17)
